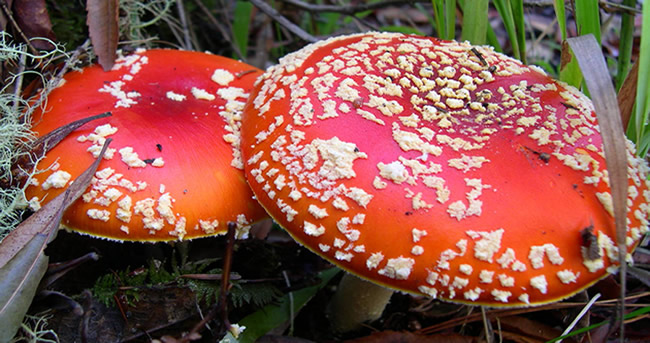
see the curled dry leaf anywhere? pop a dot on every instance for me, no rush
(102, 24)
(22, 261)
(33, 18)
(627, 94)
(42, 145)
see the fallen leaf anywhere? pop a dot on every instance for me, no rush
(22, 261)
(34, 20)
(19, 280)
(591, 60)
(103, 27)
(44, 144)
(627, 94)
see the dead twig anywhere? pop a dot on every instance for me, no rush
(221, 308)
(222, 30)
(18, 85)
(293, 28)
(492, 313)
(608, 6)
(187, 40)
(350, 9)
(487, 326)
(10, 17)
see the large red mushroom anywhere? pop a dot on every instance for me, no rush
(438, 168)
(173, 170)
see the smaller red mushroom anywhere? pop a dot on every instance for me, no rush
(173, 170)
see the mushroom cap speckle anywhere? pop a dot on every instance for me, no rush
(437, 168)
(173, 170)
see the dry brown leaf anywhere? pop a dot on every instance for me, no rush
(34, 20)
(36, 223)
(627, 94)
(42, 145)
(596, 75)
(102, 24)
(22, 261)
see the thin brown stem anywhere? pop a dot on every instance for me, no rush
(221, 308)
(10, 17)
(293, 28)
(187, 41)
(222, 30)
(350, 9)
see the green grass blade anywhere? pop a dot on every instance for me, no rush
(241, 25)
(517, 7)
(588, 18)
(450, 19)
(439, 17)
(475, 16)
(626, 41)
(569, 69)
(259, 323)
(444, 15)
(492, 39)
(427, 13)
(401, 29)
(631, 315)
(505, 11)
(560, 14)
(640, 117)
(328, 23)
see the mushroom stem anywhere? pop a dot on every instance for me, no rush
(356, 301)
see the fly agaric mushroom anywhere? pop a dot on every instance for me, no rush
(437, 168)
(174, 169)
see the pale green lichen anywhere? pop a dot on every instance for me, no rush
(133, 27)
(15, 121)
(34, 330)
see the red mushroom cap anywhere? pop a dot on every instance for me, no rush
(173, 170)
(438, 168)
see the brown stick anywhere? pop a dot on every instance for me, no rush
(222, 305)
(273, 13)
